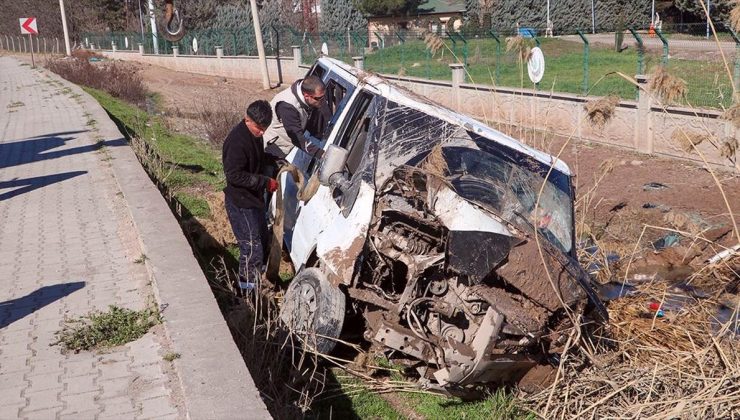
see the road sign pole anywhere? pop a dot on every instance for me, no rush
(64, 28)
(260, 45)
(30, 39)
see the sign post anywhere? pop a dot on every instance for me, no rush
(28, 27)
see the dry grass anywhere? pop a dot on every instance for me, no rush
(687, 140)
(118, 79)
(519, 46)
(83, 54)
(665, 86)
(218, 225)
(735, 16)
(217, 118)
(600, 111)
(728, 148)
(733, 114)
(434, 42)
(435, 162)
(684, 364)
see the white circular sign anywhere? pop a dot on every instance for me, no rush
(195, 45)
(536, 65)
(125, 41)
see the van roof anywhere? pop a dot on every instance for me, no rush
(412, 100)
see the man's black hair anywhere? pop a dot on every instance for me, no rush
(260, 112)
(312, 84)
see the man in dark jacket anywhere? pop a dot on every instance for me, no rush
(243, 158)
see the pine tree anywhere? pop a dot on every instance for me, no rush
(341, 14)
(719, 9)
(390, 7)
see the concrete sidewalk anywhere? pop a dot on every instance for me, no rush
(77, 213)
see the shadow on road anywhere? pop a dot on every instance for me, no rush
(25, 185)
(16, 309)
(36, 149)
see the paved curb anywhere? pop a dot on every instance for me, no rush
(215, 381)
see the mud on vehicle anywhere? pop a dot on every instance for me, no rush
(452, 242)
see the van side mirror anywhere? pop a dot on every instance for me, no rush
(331, 172)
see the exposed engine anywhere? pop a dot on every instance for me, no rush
(456, 329)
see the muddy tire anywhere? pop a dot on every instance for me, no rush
(313, 310)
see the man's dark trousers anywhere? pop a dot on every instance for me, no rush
(250, 229)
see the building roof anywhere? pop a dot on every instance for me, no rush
(441, 6)
(433, 7)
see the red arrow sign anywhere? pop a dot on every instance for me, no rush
(28, 26)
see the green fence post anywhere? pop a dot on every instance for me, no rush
(665, 46)
(381, 47)
(640, 51)
(534, 36)
(360, 42)
(465, 48)
(402, 40)
(454, 43)
(736, 76)
(498, 56)
(586, 50)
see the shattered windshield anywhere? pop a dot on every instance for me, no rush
(510, 190)
(481, 170)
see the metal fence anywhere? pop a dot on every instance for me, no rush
(576, 62)
(25, 44)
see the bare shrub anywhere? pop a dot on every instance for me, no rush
(600, 111)
(83, 54)
(118, 79)
(665, 86)
(687, 139)
(217, 118)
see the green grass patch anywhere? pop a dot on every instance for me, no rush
(188, 155)
(499, 405)
(113, 328)
(350, 399)
(197, 206)
(170, 357)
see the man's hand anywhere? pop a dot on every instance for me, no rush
(272, 185)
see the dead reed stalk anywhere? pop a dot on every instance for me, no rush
(687, 140)
(600, 111)
(665, 86)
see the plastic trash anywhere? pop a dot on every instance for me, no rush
(654, 186)
(726, 315)
(614, 290)
(667, 241)
(661, 207)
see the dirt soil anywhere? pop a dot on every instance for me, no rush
(184, 95)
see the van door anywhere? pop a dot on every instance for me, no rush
(338, 94)
(335, 223)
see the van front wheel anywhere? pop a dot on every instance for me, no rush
(313, 310)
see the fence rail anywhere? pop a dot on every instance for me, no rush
(576, 61)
